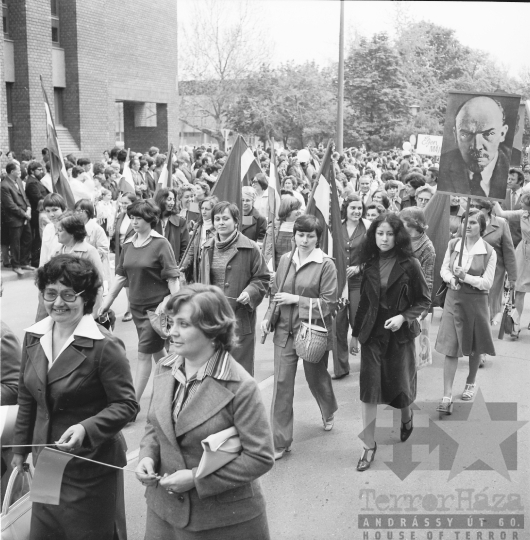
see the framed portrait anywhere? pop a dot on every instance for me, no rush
(477, 144)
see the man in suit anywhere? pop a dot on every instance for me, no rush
(16, 212)
(479, 165)
(35, 192)
(513, 201)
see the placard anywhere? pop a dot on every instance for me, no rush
(429, 145)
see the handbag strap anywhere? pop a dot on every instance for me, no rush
(311, 311)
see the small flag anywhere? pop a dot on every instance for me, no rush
(126, 184)
(166, 175)
(48, 476)
(60, 183)
(273, 207)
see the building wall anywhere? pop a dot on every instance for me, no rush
(4, 136)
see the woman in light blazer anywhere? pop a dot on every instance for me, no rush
(200, 390)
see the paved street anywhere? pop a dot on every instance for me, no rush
(315, 492)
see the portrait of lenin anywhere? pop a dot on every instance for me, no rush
(477, 144)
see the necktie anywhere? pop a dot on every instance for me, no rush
(476, 188)
(514, 200)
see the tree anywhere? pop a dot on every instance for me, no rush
(220, 48)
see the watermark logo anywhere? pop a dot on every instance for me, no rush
(477, 436)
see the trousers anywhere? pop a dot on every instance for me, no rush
(20, 244)
(344, 321)
(319, 381)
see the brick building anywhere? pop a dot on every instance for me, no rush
(109, 69)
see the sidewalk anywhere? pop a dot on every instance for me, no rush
(315, 492)
(8, 275)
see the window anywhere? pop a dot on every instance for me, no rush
(5, 19)
(118, 107)
(9, 99)
(58, 96)
(56, 29)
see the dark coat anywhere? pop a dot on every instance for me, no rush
(177, 234)
(35, 192)
(407, 295)
(454, 174)
(230, 495)
(128, 234)
(256, 231)
(10, 364)
(515, 225)
(14, 203)
(90, 384)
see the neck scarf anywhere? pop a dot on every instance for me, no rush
(221, 245)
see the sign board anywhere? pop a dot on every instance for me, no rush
(429, 145)
(517, 149)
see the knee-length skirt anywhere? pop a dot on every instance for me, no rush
(465, 328)
(522, 260)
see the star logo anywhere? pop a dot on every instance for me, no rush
(479, 438)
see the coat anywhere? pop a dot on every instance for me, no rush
(128, 234)
(255, 231)
(407, 295)
(90, 383)
(35, 192)
(10, 365)
(230, 495)
(14, 203)
(177, 234)
(515, 225)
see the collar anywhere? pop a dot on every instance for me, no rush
(86, 327)
(316, 256)
(217, 367)
(152, 234)
(486, 175)
(478, 249)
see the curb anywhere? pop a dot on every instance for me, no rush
(8, 275)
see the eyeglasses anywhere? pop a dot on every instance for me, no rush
(50, 295)
(80, 211)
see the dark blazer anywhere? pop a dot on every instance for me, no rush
(10, 363)
(128, 234)
(256, 231)
(177, 234)
(497, 235)
(515, 226)
(35, 192)
(456, 175)
(407, 295)
(90, 384)
(14, 203)
(151, 182)
(231, 494)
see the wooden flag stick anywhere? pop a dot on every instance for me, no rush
(464, 233)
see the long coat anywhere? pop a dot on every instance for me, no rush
(230, 495)
(177, 234)
(245, 271)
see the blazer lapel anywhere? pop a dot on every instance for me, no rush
(210, 398)
(163, 392)
(492, 226)
(396, 272)
(38, 361)
(69, 360)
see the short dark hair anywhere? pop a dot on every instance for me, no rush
(385, 201)
(114, 152)
(153, 151)
(131, 196)
(87, 206)
(387, 176)
(11, 166)
(519, 173)
(389, 184)
(211, 313)
(121, 156)
(434, 171)
(73, 225)
(99, 168)
(232, 208)
(261, 179)
(308, 223)
(82, 161)
(77, 170)
(54, 199)
(403, 245)
(481, 218)
(415, 180)
(72, 271)
(377, 206)
(287, 205)
(34, 165)
(146, 210)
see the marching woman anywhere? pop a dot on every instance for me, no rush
(148, 265)
(465, 328)
(76, 390)
(191, 265)
(235, 264)
(200, 390)
(354, 228)
(257, 229)
(311, 279)
(171, 225)
(393, 294)
(522, 256)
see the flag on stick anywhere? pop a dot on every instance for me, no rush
(325, 206)
(165, 179)
(48, 476)
(240, 167)
(60, 183)
(269, 244)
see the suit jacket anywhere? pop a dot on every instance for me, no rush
(407, 295)
(515, 226)
(256, 231)
(498, 236)
(14, 203)
(456, 174)
(231, 494)
(35, 192)
(90, 384)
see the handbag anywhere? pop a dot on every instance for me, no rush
(507, 323)
(311, 341)
(218, 450)
(160, 320)
(16, 509)
(441, 293)
(423, 345)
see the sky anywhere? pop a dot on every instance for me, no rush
(302, 30)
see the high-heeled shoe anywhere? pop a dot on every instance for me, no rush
(445, 406)
(405, 433)
(364, 463)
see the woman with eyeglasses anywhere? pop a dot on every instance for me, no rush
(423, 195)
(75, 391)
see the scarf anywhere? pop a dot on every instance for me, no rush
(223, 245)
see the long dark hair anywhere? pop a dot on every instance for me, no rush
(403, 245)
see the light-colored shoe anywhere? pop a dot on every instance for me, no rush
(278, 454)
(469, 392)
(329, 423)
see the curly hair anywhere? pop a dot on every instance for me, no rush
(211, 313)
(161, 197)
(71, 271)
(403, 245)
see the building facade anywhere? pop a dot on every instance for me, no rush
(109, 69)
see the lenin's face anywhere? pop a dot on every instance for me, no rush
(479, 129)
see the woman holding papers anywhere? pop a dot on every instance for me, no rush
(311, 277)
(75, 391)
(199, 392)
